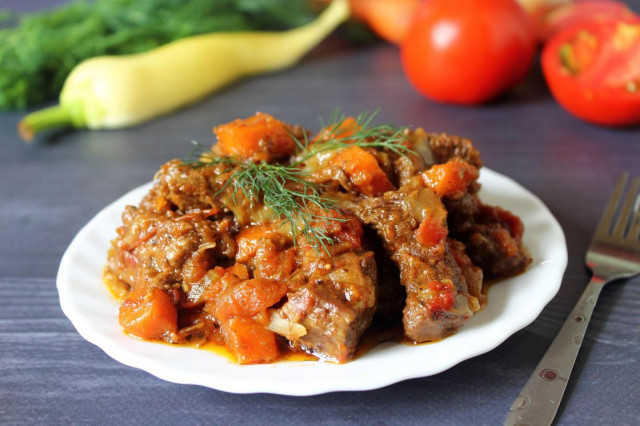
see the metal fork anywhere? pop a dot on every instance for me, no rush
(614, 254)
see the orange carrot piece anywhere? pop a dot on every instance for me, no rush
(249, 341)
(345, 128)
(248, 240)
(363, 170)
(273, 264)
(260, 137)
(450, 179)
(148, 313)
(249, 298)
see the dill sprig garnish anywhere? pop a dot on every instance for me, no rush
(286, 188)
(359, 133)
(282, 188)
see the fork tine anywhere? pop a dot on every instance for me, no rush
(634, 229)
(604, 227)
(623, 221)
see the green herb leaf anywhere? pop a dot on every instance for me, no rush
(365, 135)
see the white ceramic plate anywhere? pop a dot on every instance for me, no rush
(512, 305)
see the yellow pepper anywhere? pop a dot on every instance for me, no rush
(109, 92)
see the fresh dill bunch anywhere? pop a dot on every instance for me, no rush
(361, 133)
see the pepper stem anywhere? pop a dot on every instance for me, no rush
(48, 118)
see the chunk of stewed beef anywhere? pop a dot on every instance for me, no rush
(438, 300)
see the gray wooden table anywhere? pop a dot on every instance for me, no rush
(51, 188)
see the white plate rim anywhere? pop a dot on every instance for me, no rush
(93, 312)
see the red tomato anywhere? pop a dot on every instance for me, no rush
(593, 70)
(572, 13)
(467, 51)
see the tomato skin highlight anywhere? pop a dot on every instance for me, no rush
(468, 51)
(606, 91)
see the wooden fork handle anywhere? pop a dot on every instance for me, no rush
(540, 398)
